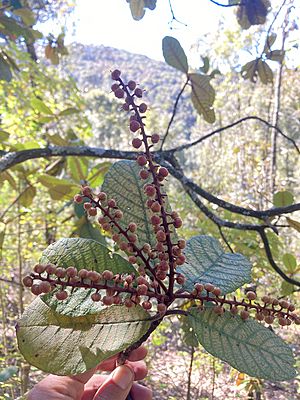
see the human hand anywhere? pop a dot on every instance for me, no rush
(90, 386)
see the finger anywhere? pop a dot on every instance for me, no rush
(110, 364)
(139, 392)
(117, 386)
(139, 368)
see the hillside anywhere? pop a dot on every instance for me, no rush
(90, 66)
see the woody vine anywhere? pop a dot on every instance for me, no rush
(93, 302)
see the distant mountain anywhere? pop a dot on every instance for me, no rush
(90, 66)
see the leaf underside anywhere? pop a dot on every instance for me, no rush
(67, 345)
(247, 345)
(206, 262)
(174, 54)
(123, 183)
(85, 253)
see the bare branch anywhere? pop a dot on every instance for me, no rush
(174, 112)
(226, 5)
(251, 117)
(258, 228)
(264, 214)
(271, 259)
(12, 158)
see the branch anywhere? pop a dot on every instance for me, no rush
(251, 117)
(186, 182)
(12, 158)
(174, 112)
(226, 5)
(10, 281)
(258, 228)
(271, 259)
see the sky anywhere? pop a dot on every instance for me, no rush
(109, 22)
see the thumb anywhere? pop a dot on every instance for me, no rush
(117, 386)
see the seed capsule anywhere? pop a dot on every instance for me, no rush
(115, 75)
(107, 300)
(219, 310)
(244, 315)
(234, 310)
(107, 275)
(269, 319)
(60, 272)
(63, 295)
(45, 287)
(251, 295)
(27, 281)
(147, 305)
(161, 308)
(96, 296)
(71, 272)
(35, 289)
(131, 85)
(39, 268)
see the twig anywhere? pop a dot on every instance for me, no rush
(10, 281)
(272, 261)
(174, 112)
(251, 117)
(226, 5)
(224, 239)
(173, 16)
(189, 384)
(263, 214)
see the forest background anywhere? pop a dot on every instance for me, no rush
(56, 107)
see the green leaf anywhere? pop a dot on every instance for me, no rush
(188, 334)
(247, 345)
(85, 253)
(7, 373)
(69, 111)
(249, 70)
(289, 262)
(206, 262)
(96, 175)
(3, 135)
(203, 96)
(205, 66)
(88, 231)
(174, 54)
(58, 188)
(283, 198)
(5, 72)
(269, 42)
(40, 106)
(294, 224)
(137, 9)
(123, 183)
(68, 344)
(27, 15)
(287, 288)
(27, 196)
(275, 55)
(264, 72)
(7, 176)
(78, 168)
(252, 13)
(57, 140)
(2, 236)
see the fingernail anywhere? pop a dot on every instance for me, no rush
(123, 377)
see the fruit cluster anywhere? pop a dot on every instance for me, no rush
(156, 263)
